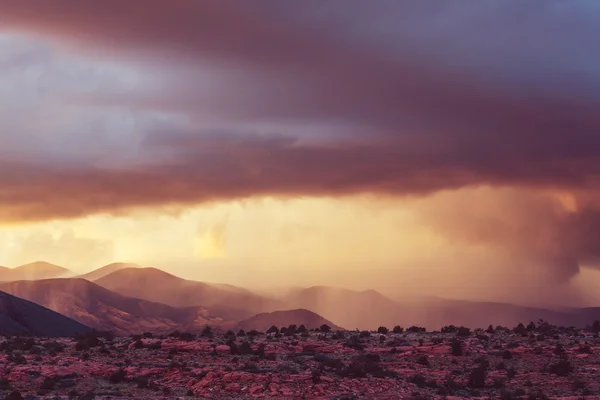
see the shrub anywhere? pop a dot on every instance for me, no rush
(241, 333)
(118, 376)
(339, 335)
(457, 348)
(382, 330)
(142, 382)
(559, 349)
(477, 377)
(325, 328)
(398, 329)
(418, 380)
(490, 329)
(423, 360)
(561, 368)
(463, 331)
(449, 329)
(365, 334)
(16, 395)
(4, 384)
(302, 329)
(520, 329)
(273, 329)
(245, 348)
(207, 331)
(48, 384)
(416, 329)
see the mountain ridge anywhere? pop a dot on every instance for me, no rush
(102, 309)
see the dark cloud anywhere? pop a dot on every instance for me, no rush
(433, 98)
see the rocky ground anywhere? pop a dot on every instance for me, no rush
(535, 362)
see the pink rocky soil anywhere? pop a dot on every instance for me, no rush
(539, 363)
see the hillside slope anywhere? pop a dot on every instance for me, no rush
(153, 284)
(19, 316)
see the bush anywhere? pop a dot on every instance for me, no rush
(325, 328)
(16, 395)
(561, 368)
(207, 331)
(245, 348)
(423, 360)
(416, 329)
(463, 331)
(273, 329)
(449, 329)
(118, 376)
(382, 330)
(477, 377)
(365, 334)
(398, 329)
(457, 348)
(241, 333)
(4, 384)
(520, 329)
(142, 382)
(48, 384)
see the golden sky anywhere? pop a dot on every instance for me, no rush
(404, 247)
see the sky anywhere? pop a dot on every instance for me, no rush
(446, 148)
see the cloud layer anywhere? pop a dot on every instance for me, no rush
(230, 100)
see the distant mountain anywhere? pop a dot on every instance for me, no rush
(351, 309)
(434, 315)
(19, 316)
(34, 271)
(370, 309)
(102, 309)
(152, 284)
(106, 270)
(262, 322)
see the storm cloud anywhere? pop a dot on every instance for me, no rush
(408, 99)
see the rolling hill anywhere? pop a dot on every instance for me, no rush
(19, 316)
(34, 271)
(106, 270)
(102, 309)
(230, 302)
(262, 322)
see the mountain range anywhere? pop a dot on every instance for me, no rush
(126, 298)
(104, 310)
(152, 284)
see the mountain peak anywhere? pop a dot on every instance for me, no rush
(107, 270)
(33, 271)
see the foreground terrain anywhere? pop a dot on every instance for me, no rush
(545, 362)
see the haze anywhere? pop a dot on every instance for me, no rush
(415, 148)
